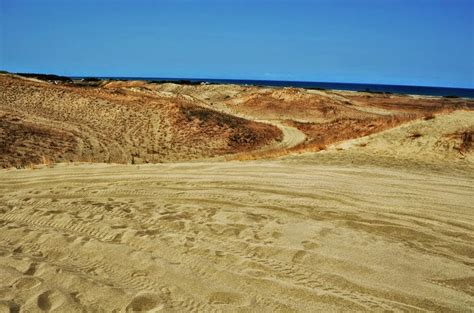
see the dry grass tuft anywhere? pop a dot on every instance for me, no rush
(466, 141)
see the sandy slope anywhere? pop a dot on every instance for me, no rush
(62, 123)
(434, 143)
(322, 116)
(349, 229)
(139, 122)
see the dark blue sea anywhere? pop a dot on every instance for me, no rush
(396, 89)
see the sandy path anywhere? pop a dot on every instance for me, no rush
(292, 136)
(253, 236)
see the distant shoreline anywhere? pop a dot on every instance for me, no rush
(357, 87)
(450, 92)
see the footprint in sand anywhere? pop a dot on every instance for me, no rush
(146, 302)
(51, 300)
(298, 256)
(9, 306)
(48, 299)
(26, 283)
(309, 245)
(31, 269)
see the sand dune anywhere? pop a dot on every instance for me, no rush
(323, 116)
(139, 122)
(436, 143)
(46, 123)
(381, 219)
(296, 234)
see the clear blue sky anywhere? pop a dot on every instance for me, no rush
(410, 42)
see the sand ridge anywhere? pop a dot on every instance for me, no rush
(46, 123)
(142, 122)
(381, 219)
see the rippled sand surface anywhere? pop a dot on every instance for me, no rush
(235, 236)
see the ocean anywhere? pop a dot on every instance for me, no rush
(396, 89)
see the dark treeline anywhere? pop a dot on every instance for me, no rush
(46, 77)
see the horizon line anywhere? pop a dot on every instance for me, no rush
(274, 80)
(244, 79)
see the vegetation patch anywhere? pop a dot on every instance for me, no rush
(464, 139)
(323, 134)
(46, 77)
(206, 116)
